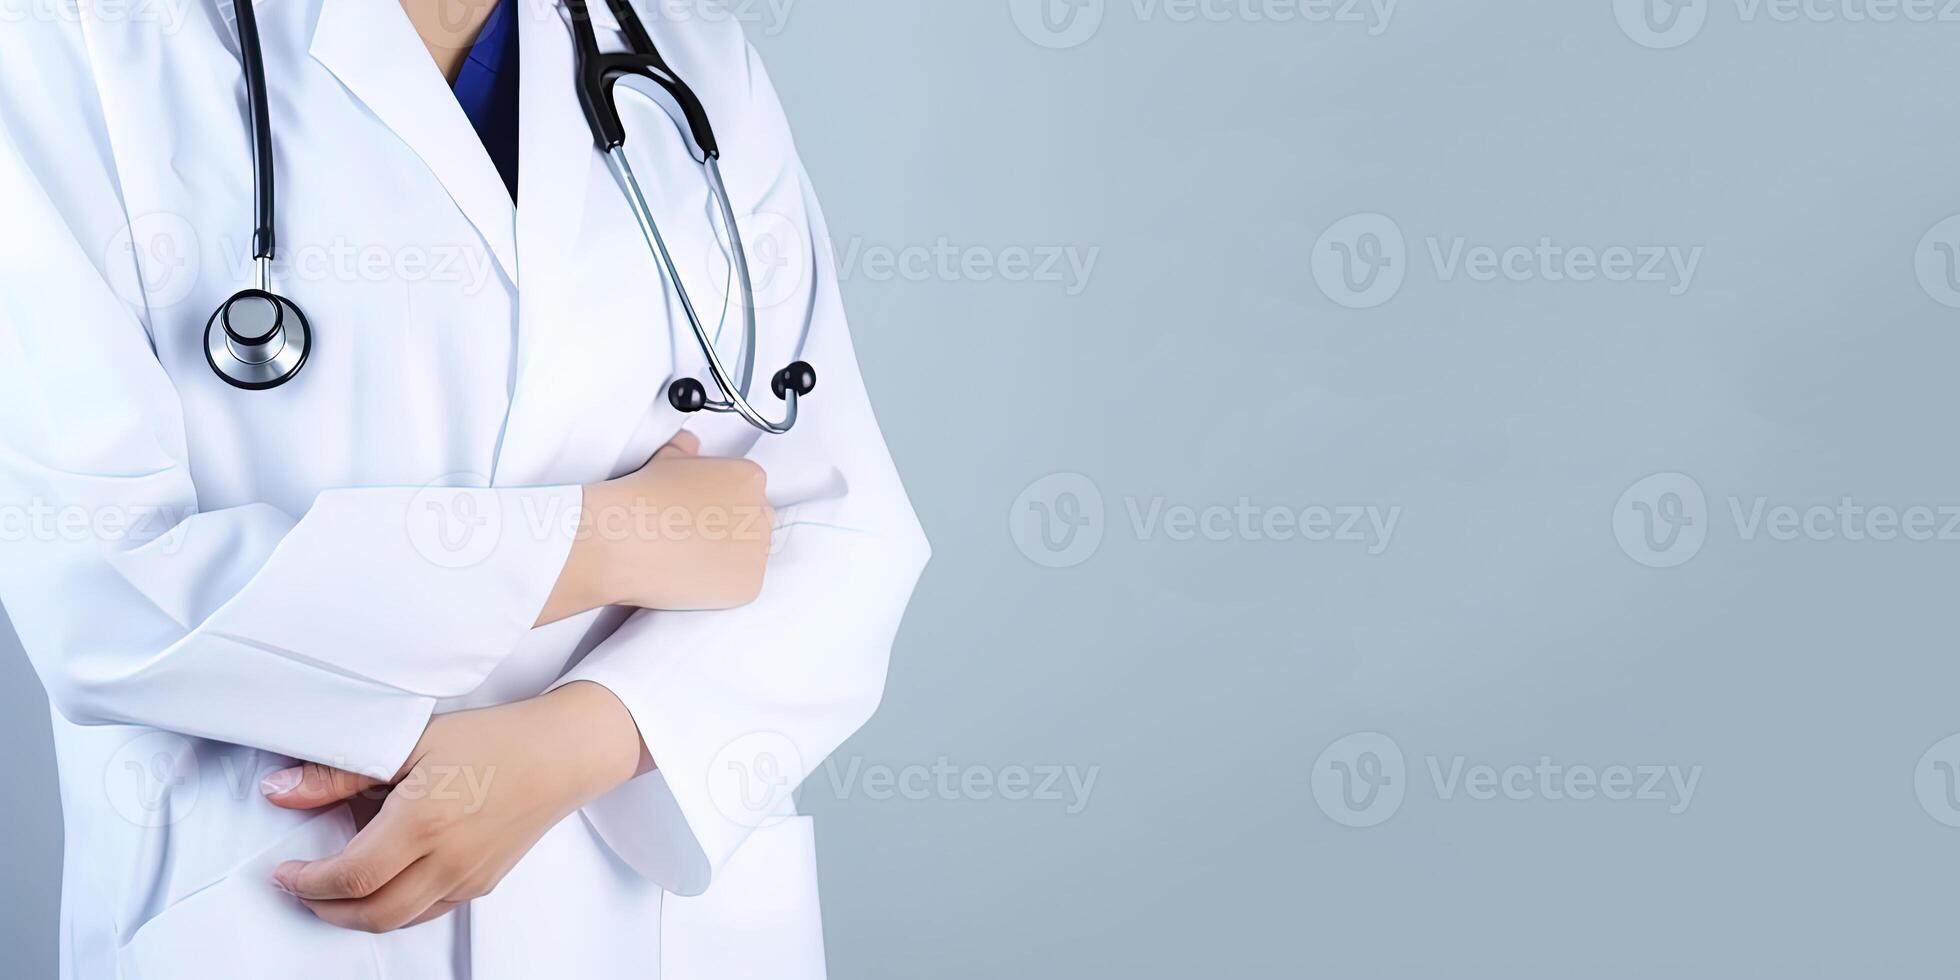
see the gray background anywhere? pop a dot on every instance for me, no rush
(1516, 614)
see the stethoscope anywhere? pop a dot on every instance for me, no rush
(259, 340)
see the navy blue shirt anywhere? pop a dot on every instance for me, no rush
(487, 89)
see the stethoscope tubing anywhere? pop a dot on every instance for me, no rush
(242, 367)
(735, 388)
(264, 206)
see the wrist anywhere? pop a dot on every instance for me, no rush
(603, 749)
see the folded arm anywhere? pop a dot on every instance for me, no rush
(326, 630)
(738, 707)
(720, 713)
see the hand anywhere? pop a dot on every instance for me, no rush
(478, 792)
(684, 532)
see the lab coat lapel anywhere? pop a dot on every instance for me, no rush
(557, 377)
(373, 49)
(594, 339)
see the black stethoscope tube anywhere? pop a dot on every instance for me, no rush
(249, 52)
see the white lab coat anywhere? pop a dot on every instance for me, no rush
(213, 582)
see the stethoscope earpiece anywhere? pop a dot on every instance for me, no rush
(687, 396)
(799, 377)
(257, 340)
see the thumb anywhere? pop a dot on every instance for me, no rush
(312, 786)
(683, 444)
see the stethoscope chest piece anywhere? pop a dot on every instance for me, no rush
(257, 340)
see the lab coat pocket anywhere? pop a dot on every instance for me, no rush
(759, 918)
(242, 927)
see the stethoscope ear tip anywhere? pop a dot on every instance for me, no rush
(799, 377)
(687, 396)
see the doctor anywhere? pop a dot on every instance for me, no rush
(582, 646)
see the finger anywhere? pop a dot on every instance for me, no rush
(407, 900)
(370, 861)
(683, 444)
(312, 786)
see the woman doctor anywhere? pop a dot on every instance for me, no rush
(468, 556)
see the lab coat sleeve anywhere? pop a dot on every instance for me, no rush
(327, 636)
(738, 707)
